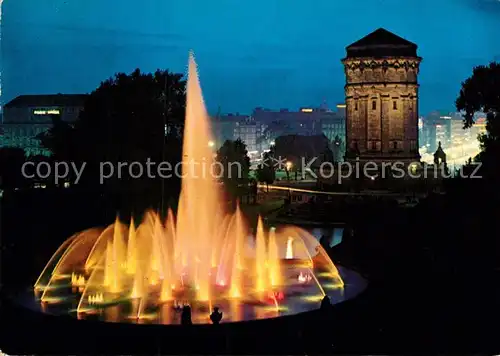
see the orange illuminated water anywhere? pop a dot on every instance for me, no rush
(205, 255)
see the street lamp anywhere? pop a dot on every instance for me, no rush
(289, 165)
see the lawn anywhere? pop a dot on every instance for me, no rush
(265, 209)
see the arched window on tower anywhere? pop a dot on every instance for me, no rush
(356, 104)
(374, 105)
(394, 105)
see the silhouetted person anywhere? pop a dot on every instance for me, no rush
(326, 304)
(216, 316)
(186, 315)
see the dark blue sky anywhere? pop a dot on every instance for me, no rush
(271, 53)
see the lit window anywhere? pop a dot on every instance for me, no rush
(46, 112)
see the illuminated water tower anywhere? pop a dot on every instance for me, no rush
(381, 94)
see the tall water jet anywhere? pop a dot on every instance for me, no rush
(200, 195)
(261, 262)
(236, 274)
(137, 287)
(108, 265)
(241, 233)
(274, 260)
(289, 248)
(118, 249)
(131, 248)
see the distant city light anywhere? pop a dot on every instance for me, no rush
(446, 117)
(306, 110)
(46, 112)
(341, 106)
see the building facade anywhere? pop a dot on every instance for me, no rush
(381, 95)
(27, 116)
(447, 128)
(305, 122)
(260, 130)
(436, 128)
(249, 131)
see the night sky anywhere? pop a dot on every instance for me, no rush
(271, 53)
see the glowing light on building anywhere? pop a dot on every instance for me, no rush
(46, 112)
(306, 110)
(341, 106)
(420, 123)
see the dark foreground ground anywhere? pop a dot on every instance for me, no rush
(433, 288)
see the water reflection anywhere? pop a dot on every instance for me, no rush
(334, 234)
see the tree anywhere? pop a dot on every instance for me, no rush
(59, 139)
(235, 165)
(11, 162)
(300, 151)
(265, 172)
(327, 154)
(481, 93)
(125, 120)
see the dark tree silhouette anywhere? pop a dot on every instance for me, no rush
(235, 164)
(265, 172)
(298, 149)
(126, 120)
(337, 149)
(481, 93)
(273, 130)
(327, 154)
(11, 162)
(59, 139)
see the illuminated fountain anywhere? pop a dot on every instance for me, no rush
(204, 256)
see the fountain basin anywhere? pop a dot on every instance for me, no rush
(296, 298)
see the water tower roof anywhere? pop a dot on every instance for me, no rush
(382, 43)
